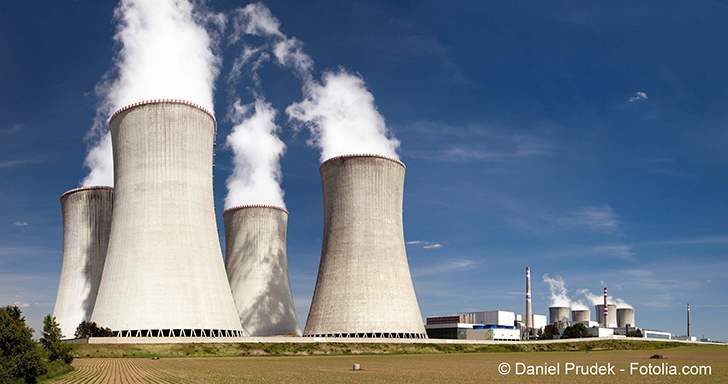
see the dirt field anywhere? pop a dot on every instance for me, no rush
(423, 368)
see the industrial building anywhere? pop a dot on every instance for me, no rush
(164, 272)
(257, 268)
(86, 226)
(485, 325)
(363, 288)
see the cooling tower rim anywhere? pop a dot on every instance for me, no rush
(254, 206)
(156, 101)
(625, 308)
(559, 306)
(86, 189)
(364, 155)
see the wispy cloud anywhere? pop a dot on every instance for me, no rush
(659, 166)
(619, 251)
(425, 244)
(12, 163)
(638, 96)
(450, 266)
(700, 241)
(21, 304)
(20, 224)
(11, 131)
(433, 245)
(596, 218)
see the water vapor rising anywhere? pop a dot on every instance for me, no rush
(557, 286)
(595, 299)
(257, 151)
(164, 52)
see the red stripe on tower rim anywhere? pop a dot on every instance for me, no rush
(85, 189)
(155, 101)
(364, 155)
(253, 206)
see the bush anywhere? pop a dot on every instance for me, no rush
(546, 335)
(90, 329)
(19, 356)
(637, 333)
(576, 331)
(51, 341)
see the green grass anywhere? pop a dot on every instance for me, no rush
(334, 349)
(55, 369)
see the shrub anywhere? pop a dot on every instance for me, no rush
(19, 356)
(51, 341)
(576, 331)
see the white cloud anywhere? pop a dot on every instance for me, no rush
(597, 218)
(638, 96)
(21, 304)
(433, 245)
(448, 267)
(425, 244)
(21, 224)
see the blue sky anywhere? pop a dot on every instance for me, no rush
(582, 139)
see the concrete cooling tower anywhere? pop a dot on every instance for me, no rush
(611, 316)
(557, 314)
(86, 226)
(257, 267)
(625, 317)
(364, 288)
(580, 315)
(164, 273)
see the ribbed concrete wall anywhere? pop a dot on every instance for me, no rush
(364, 285)
(257, 267)
(611, 317)
(580, 315)
(558, 314)
(164, 267)
(86, 226)
(625, 316)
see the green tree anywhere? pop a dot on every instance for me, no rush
(636, 333)
(546, 335)
(19, 356)
(90, 329)
(51, 341)
(576, 331)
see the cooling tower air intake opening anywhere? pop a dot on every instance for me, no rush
(355, 155)
(254, 206)
(65, 194)
(174, 101)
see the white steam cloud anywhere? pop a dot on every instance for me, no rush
(598, 300)
(165, 52)
(559, 293)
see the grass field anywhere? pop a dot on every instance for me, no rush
(403, 368)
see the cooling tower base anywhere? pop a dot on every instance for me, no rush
(179, 333)
(373, 335)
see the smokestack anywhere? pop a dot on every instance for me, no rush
(625, 317)
(364, 288)
(529, 313)
(86, 226)
(164, 272)
(688, 320)
(605, 318)
(257, 267)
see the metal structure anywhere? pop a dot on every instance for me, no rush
(364, 288)
(164, 274)
(558, 314)
(688, 321)
(86, 225)
(580, 315)
(611, 315)
(625, 317)
(257, 267)
(529, 311)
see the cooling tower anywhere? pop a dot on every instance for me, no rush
(625, 317)
(611, 316)
(164, 272)
(86, 226)
(257, 267)
(580, 315)
(364, 288)
(557, 314)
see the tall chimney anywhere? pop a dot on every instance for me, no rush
(529, 313)
(605, 320)
(164, 273)
(364, 287)
(688, 320)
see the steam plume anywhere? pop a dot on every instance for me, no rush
(165, 52)
(598, 300)
(557, 286)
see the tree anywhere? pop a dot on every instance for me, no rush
(19, 356)
(546, 335)
(576, 331)
(637, 333)
(51, 341)
(90, 329)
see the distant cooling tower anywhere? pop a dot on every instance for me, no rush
(86, 226)
(364, 288)
(557, 314)
(164, 272)
(611, 317)
(625, 317)
(257, 267)
(580, 315)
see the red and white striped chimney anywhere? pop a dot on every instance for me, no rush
(529, 313)
(605, 319)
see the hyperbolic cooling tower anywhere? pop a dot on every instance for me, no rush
(557, 314)
(611, 315)
(257, 267)
(86, 226)
(364, 288)
(580, 315)
(164, 272)
(625, 317)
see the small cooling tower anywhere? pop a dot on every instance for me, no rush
(611, 316)
(257, 267)
(364, 288)
(86, 226)
(164, 273)
(557, 314)
(625, 317)
(580, 315)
